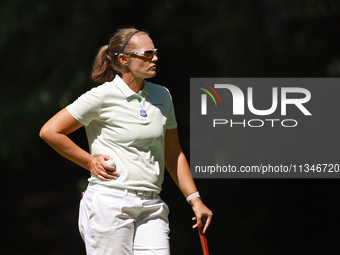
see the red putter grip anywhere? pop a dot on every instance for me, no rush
(204, 242)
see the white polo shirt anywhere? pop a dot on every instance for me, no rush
(111, 114)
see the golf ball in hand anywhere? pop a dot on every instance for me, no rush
(111, 162)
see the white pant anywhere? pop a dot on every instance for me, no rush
(121, 222)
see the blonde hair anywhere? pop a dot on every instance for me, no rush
(106, 64)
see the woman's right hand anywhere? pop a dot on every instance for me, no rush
(102, 170)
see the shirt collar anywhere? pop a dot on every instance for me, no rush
(125, 89)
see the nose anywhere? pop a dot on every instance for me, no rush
(154, 58)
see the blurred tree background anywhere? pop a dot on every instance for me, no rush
(47, 49)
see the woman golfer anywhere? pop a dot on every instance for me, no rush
(131, 129)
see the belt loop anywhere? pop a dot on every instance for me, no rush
(126, 192)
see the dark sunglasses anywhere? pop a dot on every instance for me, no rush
(146, 53)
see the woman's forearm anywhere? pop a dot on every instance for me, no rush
(62, 144)
(55, 132)
(179, 170)
(180, 173)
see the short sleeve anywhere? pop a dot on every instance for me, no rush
(87, 107)
(171, 119)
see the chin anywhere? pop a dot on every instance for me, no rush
(152, 74)
(147, 75)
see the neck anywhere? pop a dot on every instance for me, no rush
(134, 84)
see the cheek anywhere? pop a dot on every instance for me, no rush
(139, 65)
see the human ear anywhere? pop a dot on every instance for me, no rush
(122, 59)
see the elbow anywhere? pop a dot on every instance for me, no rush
(44, 133)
